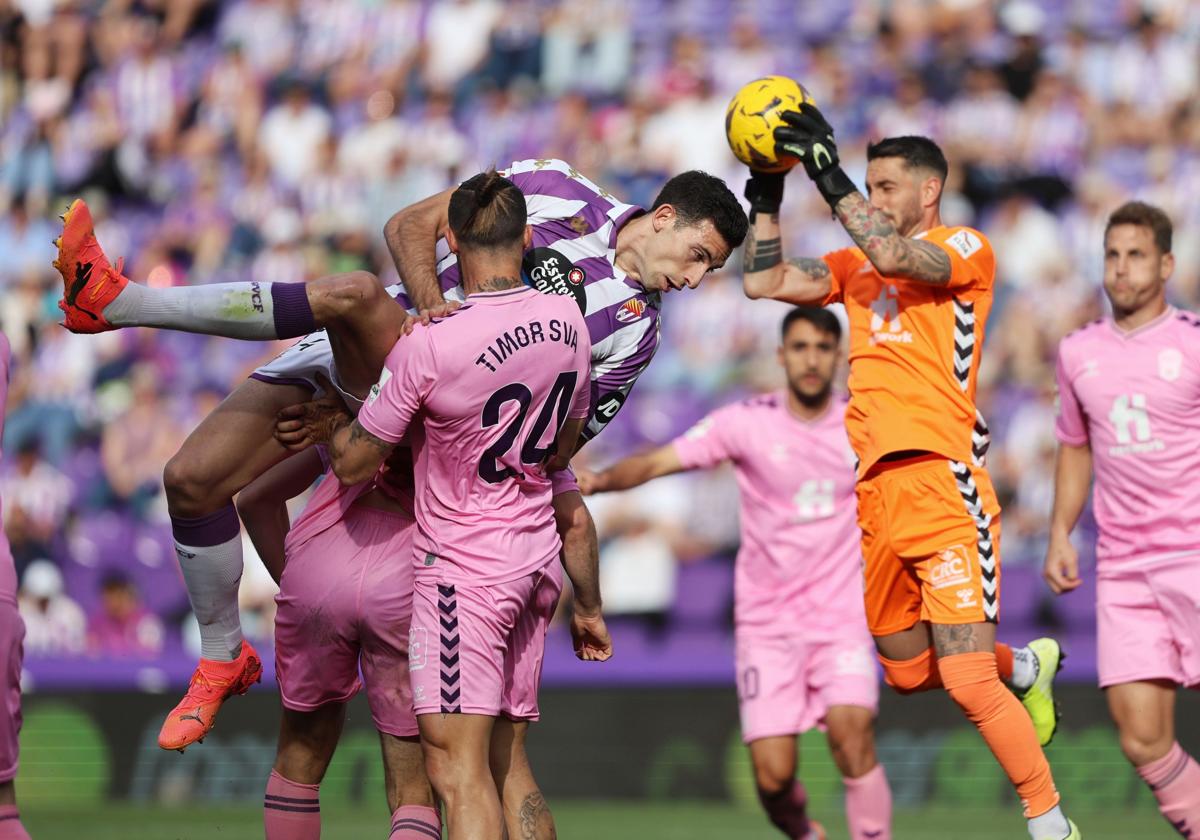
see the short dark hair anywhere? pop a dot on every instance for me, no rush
(916, 151)
(822, 319)
(697, 197)
(487, 211)
(1143, 215)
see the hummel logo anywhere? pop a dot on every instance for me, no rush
(196, 717)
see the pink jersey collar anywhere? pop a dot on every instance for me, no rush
(1166, 315)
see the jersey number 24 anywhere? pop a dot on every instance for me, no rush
(491, 468)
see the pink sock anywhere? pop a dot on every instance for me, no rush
(416, 822)
(10, 824)
(869, 805)
(291, 811)
(1175, 781)
(788, 810)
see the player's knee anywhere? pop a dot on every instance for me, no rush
(344, 296)
(908, 676)
(189, 487)
(773, 776)
(1142, 746)
(853, 750)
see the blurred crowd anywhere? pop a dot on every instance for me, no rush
(271, 139)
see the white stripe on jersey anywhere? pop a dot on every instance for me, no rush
(614, 350)
(555, 165)
(607, 292)
(544, 208)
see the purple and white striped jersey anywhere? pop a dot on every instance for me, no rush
(575, 225)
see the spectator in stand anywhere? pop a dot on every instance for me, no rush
(54, 624)
(121, 626)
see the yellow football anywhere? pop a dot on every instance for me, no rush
(753, 116)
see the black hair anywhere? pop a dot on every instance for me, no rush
(487, 211)
(822, 319)
(914, 150)
(698, 197)
(1144, 215)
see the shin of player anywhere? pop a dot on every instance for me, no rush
(917, 295)
(12, 637)
(804, 655)
(486, 552)
(1129, 406)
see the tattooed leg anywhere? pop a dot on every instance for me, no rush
(952, 639)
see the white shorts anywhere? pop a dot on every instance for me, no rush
(313, 354)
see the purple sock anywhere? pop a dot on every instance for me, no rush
(213, 529)
(290, 308)
(788, 810)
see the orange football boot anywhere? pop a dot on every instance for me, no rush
(211, 684)
(89, 282)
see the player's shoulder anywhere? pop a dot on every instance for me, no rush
(1187, 318)
(967, 241)
(535, 165)
(1074, 345)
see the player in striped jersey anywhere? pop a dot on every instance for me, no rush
(614, 259)
(917, 295)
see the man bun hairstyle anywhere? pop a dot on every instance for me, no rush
(1144, 215)
(487, 211)
(915, 151)
(698, 197)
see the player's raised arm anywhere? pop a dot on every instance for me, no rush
(411, 235)
(893, 252)
(765, 274)
(631, 472)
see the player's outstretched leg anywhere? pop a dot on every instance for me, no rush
(782, 795)
(1144, 713)
(410, 798)
(851, 734)
(363, 320)
(228, 450)
(456, 749)
(968, 668)
(292, 805)
(526, 813)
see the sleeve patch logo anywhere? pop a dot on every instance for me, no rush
(377, 388)
(965, 242)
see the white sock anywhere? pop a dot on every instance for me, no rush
(233, 310)
(1025, 668)
(1051, 825)
(212, 574)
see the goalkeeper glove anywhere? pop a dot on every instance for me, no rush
(809, 136)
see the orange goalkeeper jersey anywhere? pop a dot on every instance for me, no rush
(914, 351)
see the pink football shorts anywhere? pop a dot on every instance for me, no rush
(478, 649)
(12, 637)
(1148, 622)
(345, 601)
(787, 684)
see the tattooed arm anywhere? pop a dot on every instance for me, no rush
(892, 254)
(765, 274)
(354, 453)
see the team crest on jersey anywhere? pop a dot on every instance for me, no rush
(630, 311)
(1170, 364)
(548, 271)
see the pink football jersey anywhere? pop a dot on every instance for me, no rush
(799, 568)
(8, 573)
(482, 394)
(1135, 399)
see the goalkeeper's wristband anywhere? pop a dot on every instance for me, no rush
(834, 185)
(764, 191)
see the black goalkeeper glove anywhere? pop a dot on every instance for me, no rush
(809, 136)
(764, 191)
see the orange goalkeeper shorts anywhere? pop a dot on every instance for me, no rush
(931, 544)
